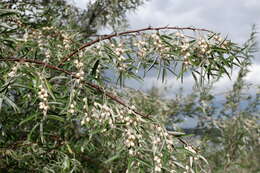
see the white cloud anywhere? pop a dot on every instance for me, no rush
(233, 17)
(253, 74)
(252, 3)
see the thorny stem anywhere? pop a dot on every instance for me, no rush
(106, 37)
(91, 85)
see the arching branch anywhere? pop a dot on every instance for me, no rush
(106, 37)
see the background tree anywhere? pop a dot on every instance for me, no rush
(88, 21)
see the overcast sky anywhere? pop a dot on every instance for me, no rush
(230, 17)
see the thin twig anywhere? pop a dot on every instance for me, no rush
(106, 37)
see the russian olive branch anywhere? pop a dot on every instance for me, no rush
(94, 86)
(106, 37)
(91, 85)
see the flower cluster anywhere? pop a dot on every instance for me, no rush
(72, 108)
(157, 41)
(120, 114)
(86, 118)
(97, 72)
(78, 64)
(142, 48)
(66, 40)
(43, 45)
(203, 45)
(97, 49)
(184, 41)
(119, 51)
(185, 46)
(156, 140)
(122, 67)
(160, 47)
(158, 162)
(179, 35)
(48, 54)
(40, 40)
(131, 140)
(47, 28)
(101, 114)
(169, 142)
(43, 95)
(131, 120)
(25, 36)
(161, 134)
(13, 71)
(80, 74)
(218, 38)
(103, 107)
(128, 117)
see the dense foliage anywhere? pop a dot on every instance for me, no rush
(227, 130)
(60, 111)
